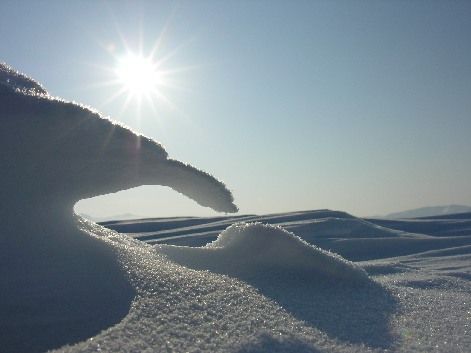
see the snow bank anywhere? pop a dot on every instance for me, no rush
(255, 249)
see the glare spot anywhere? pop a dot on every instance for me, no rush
(138, 75)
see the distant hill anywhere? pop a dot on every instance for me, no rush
(430, 211)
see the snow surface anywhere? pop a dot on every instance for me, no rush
(234, 286)
(420, 302)
(413, 303)
(247, 250)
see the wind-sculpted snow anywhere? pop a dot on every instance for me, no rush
(411, 304)
(59, 284)
(255, 249)
(177, 309)
(69, 152)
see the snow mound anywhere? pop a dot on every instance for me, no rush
(253, 249)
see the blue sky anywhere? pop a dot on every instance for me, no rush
(358, 106)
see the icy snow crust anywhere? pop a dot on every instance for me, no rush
(70, 284)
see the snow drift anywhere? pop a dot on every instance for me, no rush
(246, 250)
(177, 309)
(59, 283)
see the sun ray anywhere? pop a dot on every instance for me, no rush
(158, 42)
(113, 97)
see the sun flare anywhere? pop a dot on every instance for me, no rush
(138, 75)
(142, 78)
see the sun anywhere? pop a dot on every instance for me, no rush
(141, 78)
(138, 75)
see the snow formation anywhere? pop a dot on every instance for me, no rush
(59, 284)
(70, 152)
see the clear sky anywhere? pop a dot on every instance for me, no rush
(361, 106)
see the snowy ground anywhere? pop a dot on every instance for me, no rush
(259, 288)
(417, 297)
